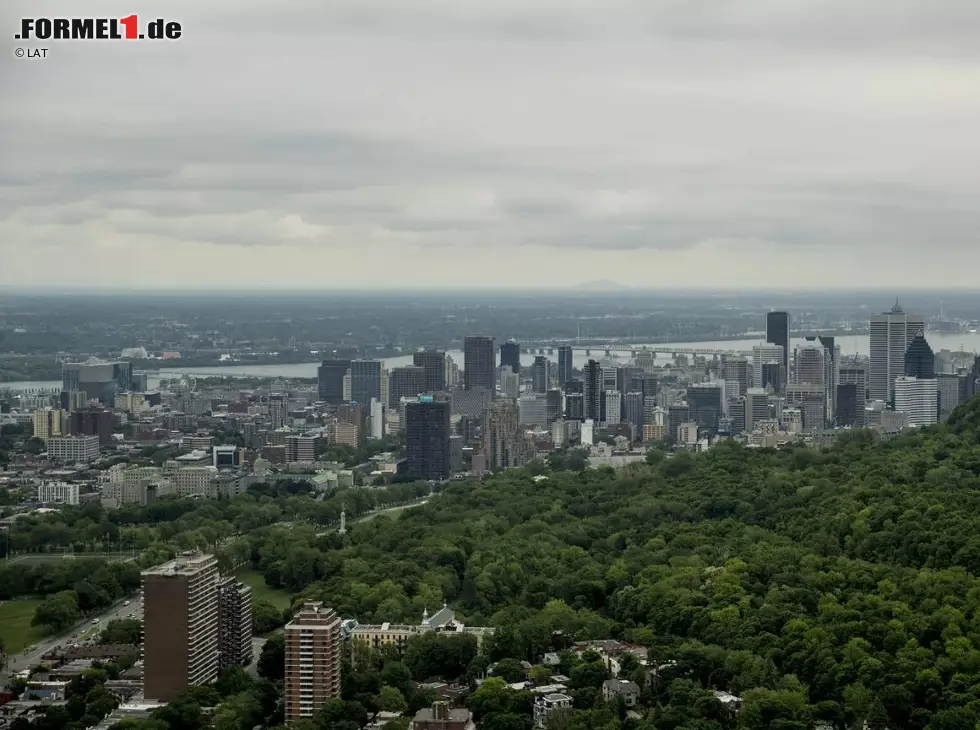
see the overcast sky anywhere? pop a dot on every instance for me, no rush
(533, 143)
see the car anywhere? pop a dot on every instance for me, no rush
(125, 603)
(95, 621)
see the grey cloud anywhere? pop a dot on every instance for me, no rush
(629, 132)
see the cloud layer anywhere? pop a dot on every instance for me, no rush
(779, 143)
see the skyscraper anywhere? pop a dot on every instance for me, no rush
(405, 382)
(330, 380)
(565, 354)
(540, 374)
(479, 363)
(920, 362)
(314, 648)
(180, 625)
(917, 399)
(235, 629)
(278, 409)
(777, 333)
(510, 355)
(434, 362)
(427, 433)
(365, 381)
(891, 334)
(503, 445)
(706, 401)
(593, 390)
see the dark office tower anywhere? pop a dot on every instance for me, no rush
(91, 422)
(736, 370)
(565, 353)
(235, 628)
(624, 377)
(706, 405)
(676, 415)
(633, 409)
(479, 363)
(510, 356)
(593, 390)
(553, 405)
(427, 433)
(575, 385)
(952, 389)
(574, 406)
(777, 333)
(434, 362)
(540, 372)
(365, 381)
(919, 360)
(330, 380)
(405, 382)
(849, 405)
(973, 379)
(645, 383)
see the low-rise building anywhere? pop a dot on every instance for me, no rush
(547, 705)
(615, 688)
(442, 717)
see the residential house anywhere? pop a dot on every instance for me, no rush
(613, 688)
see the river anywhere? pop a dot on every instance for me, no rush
(849, 345)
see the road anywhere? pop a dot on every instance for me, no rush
(33, 654)
(374, 513)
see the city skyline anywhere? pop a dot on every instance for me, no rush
(781, 146)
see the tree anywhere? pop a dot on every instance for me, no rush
(122, 631)
(272, 659)
(510, 670)
(391, 700)
(233, 680)
(58, 612)
(265, 618)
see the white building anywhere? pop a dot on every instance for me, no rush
(547, 705)
(890, 335)
(378, 413)
(614, 406)
(73, 449)
(57, 493)
(918, 399)
(588, 432)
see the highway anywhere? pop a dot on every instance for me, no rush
(33, 654)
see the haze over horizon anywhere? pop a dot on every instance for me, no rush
(490, 144)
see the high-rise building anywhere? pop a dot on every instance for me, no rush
(479, 363)
(503, 445)
(540, 374)
(756, 408)
(706, 401)
(777, 333)
(633, 410)
(593, 387)
(99, 380)
(48, 423)
(427, 435)
(850, 406)
(300, 448)
(278, 410)
(891, 334)
(510, 356)
(920, 362)
(314, 648)
(330, 380)
(434, 364)
(180, 625)
(57, 493)
(952, 389)
(918, 399)
(811, 400)
(532, 410)
(510, 383)
(365, 380)
(646, 383)
(565, 359)
(614, 406)
(553, 400)
(91, 422)
(735, 371)
(407, 381)
(235, 617)
(574, 407)
(768, 355)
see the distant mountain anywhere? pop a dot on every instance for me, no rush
(600, 285)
